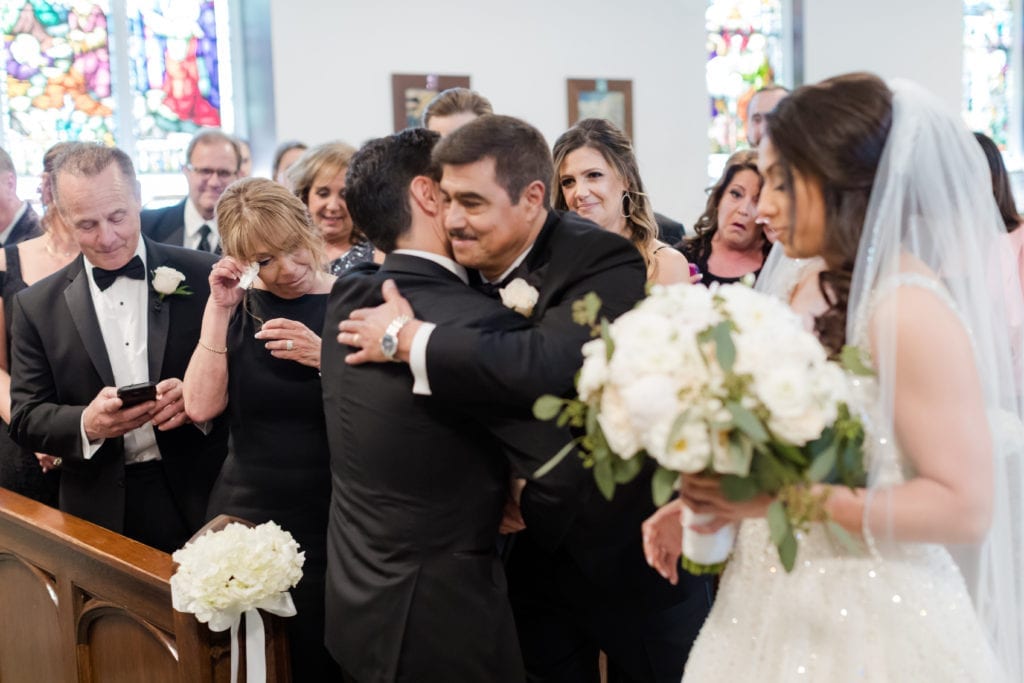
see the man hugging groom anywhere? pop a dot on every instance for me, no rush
(422, 454)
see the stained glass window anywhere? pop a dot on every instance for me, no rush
(175, 79)
(56, 67)
(987, 82)
(744, 44)
(61, 66)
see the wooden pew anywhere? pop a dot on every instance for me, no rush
(79, 603)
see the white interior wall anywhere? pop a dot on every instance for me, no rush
(333, 64)
(916, 39)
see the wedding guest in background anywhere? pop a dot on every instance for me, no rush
(245, 152)
(596, 175)
(258, 360)
(114, 317)
(729, 242)
(318, 179)
(1004, 200)
(213, 159)
(762, 102)
(30, 474)
(286, 154)
(18, 221)
(454, 107)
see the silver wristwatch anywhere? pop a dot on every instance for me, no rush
(389, 342)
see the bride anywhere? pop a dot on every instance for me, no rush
(893, 194)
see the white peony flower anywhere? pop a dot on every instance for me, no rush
(650, 400)
(794, 411)
(519, 296)
(724, 461)
(224, 573)
(688, 450)
(616, 425)
(166, 281)
(594, 372)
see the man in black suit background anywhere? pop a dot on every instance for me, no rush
(589, 588)
(213, 159)
(112, 318)
(18, 222)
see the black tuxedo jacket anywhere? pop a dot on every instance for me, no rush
(59, 363)
(165, 225)
(571, 257)
(26, 228)
(415, 590)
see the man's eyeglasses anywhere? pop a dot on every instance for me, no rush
(206, 173)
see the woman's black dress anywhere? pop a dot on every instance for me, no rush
(19, 469)
(278, 465)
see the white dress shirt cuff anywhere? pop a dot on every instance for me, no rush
(88, 449)
(418, 359)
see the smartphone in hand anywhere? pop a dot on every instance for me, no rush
(134, 394)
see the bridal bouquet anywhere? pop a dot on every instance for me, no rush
(723, 381)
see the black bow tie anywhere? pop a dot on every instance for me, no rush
(133, 269)
(489, 288)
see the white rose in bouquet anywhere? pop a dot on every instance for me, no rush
(687, 450)
(594, 372)
(616, 425)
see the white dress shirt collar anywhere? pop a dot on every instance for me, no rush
(443, 261)
(194, 221)
(508, 271)
(17, 217)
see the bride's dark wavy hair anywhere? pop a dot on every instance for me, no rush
(833, 133)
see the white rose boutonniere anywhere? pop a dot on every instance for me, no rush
(520, 296)
(167, 282)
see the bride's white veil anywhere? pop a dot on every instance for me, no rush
(779, 274)
(932, 199)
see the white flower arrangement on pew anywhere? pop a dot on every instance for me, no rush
(236, 571)
(723, 381)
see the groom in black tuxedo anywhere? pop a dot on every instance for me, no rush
(102, 322)
(415, 589)
(587, 588)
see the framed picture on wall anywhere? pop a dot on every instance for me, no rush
(410, 94)
(601, 98)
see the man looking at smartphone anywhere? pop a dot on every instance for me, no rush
(105, 322)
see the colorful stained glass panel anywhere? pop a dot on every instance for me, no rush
(988, 42)
(175, 77)
(744, 44)
(57, 77)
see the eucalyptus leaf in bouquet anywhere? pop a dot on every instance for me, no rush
(723, 381)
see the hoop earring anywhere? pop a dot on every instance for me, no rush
(627, 204)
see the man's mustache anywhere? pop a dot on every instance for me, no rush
(459, 234)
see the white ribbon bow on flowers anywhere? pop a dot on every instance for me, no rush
(255, 637)
(223, 575)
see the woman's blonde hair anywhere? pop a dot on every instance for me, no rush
(257, 215)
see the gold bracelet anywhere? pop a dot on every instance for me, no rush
(210, 348)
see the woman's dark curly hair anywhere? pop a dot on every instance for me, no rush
(698, 248)
(833, 133)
